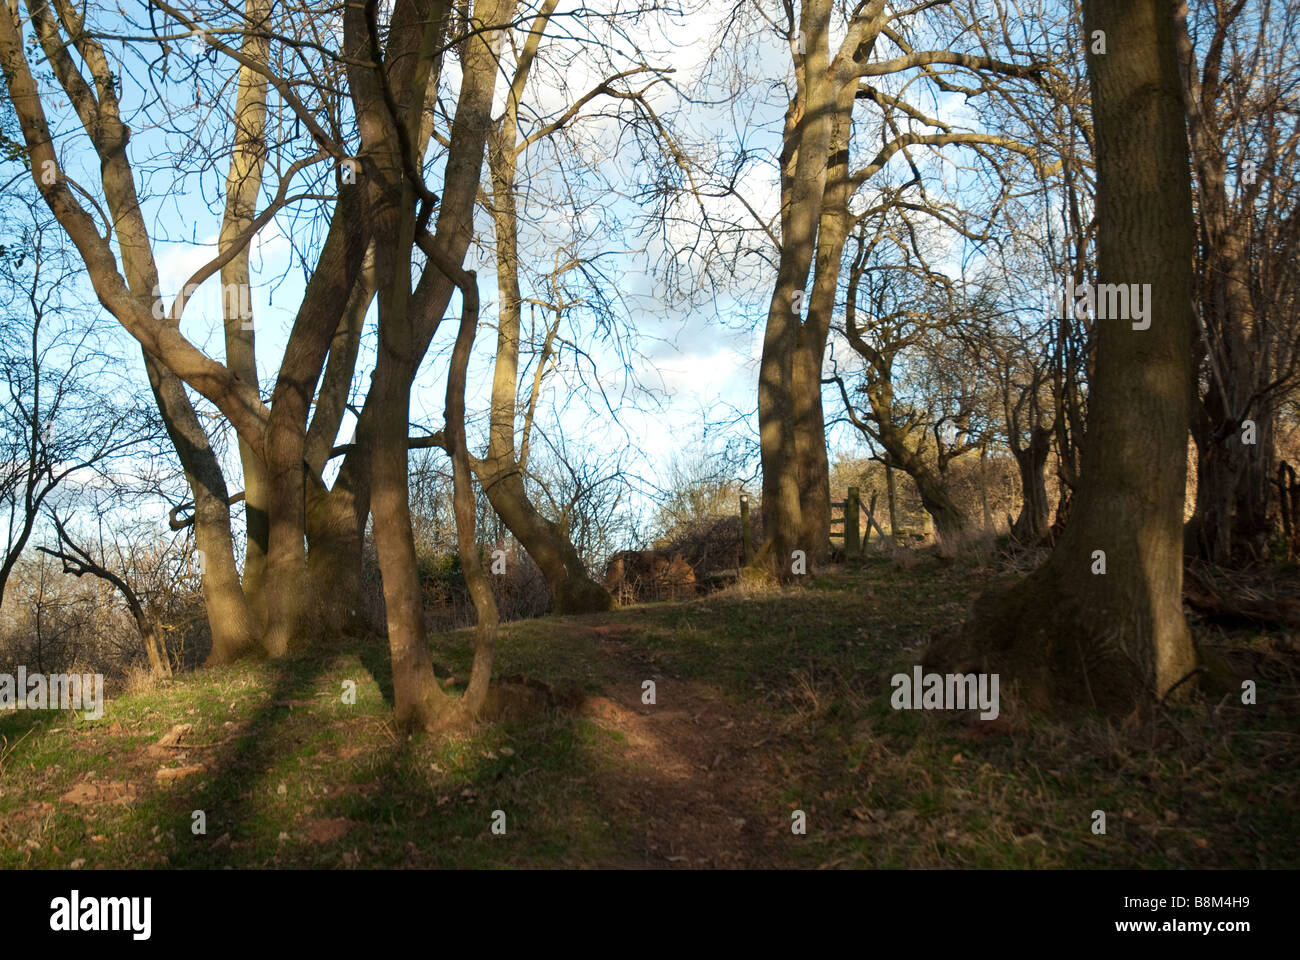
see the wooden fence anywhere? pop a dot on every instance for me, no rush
(846, 516)
(849, 521)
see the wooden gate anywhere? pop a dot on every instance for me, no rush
(849, 522)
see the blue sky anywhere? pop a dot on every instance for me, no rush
(692, 354)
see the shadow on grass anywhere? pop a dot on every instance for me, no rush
(403, 802)
(237, 775)
(17, 724)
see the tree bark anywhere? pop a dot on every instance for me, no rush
(408, 319)
(1033, 523)
(336, 517)
(891, 488)
(1115, 641)
(809, 124)
(485, 605)
(292, 616)
(243, 184)
(234, 630)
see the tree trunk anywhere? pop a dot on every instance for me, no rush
(1234, 490)
(812, 466)
(234, 631)
(336, 521)
(1067, 634)
(336, 518)
(950, 520)
(1033, 524)
(782, 514)
(418, 702)
(407, 322)
(1231, 525)
(572, 589)
(783, 402)
(985, 508)
(292, 615)
(243, 184)
(501, 472)
(485, 605)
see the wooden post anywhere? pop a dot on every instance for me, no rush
(984, 488)
(746, 537)
(851, 510)
(892, 493)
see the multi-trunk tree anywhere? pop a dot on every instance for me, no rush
(861, 95)
(1238, 65)
(381, 232)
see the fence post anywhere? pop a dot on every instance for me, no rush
(746, 539)
(872, 522)
(892, 494)
(851, 520)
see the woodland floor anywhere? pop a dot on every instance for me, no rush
(766, 703)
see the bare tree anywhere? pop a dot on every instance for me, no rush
(868, 88)
(79, 561)
(899, 320)
(1238, 67)
(372, 138)
(66, 416)
(502, 470)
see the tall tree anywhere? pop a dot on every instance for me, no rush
(502, 470)
(371, 138)
(1238, 64)
(818, 181)
(243, 185)
(1100, 623)
(131, 294)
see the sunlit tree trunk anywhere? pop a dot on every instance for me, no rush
(1069, 633)
(500, 472)
(408, 319)
(243, 185)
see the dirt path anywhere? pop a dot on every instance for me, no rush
(694, 776)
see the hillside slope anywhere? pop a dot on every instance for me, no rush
(765, 704)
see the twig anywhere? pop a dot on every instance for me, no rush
(5, 756)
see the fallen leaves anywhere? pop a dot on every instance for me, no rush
(110, 791)
(326, 831)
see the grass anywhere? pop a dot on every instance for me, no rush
(766, 703)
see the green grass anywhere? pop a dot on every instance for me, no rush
(766, 703)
